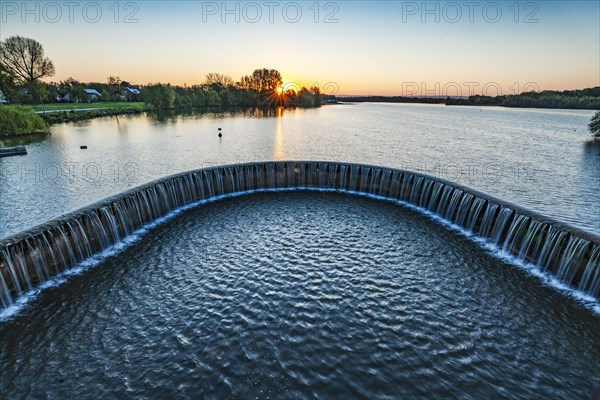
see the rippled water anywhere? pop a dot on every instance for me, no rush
(301, 295)
(535, 158)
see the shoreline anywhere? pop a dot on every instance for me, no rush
(64, 116)
(54, 117)
(352, 100)
(59, 116)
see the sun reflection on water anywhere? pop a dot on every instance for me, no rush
(279, 153)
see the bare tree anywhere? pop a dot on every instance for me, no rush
(218, 81)
(113, 80)
(24, 58)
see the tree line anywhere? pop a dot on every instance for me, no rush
(584, 99)
(393, 99)
(23, 65)
(261, 89)
(160, 96)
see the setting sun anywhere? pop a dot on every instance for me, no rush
(279, 90)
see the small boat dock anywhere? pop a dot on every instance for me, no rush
(13, 151)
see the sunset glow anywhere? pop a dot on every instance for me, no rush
(375, 47)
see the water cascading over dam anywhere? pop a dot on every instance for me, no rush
(32, 257)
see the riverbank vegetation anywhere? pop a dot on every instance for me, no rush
(79, 115)
(16, 121)
(263, 88)
(390, 99)
(72, 112)
(23, 65)
(584, 99)
(594, 127)
(55, 107)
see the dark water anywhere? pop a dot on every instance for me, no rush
(532, 157)
(301, 295)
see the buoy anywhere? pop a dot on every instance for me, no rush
(83, 147)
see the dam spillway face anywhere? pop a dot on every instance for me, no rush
(32, 257)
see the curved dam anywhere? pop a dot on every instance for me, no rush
(34, 256)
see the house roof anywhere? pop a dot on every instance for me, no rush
(92, 91)
(133, 91)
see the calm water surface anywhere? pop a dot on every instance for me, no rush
(301, 295)
(535, 158)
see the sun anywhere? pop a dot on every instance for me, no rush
(279, 90)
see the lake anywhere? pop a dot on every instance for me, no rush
(303, 294)
(535, 158)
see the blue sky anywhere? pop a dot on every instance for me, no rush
(377, 47)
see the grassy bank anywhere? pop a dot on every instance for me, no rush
(80, 115)
(141, 106)
(22, 120)
(18, 121)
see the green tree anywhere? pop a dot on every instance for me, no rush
(116, 90)
(317, 95)
(183, 98)
(159, 96)
(262, 80)
(594, 126)
(105, 95)
(229, 97)
(7, 83)
(74, 88)
(38, 91)
(305, 98)
(198, 97)
(213, 99)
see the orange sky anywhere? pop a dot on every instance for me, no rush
(371, 48)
